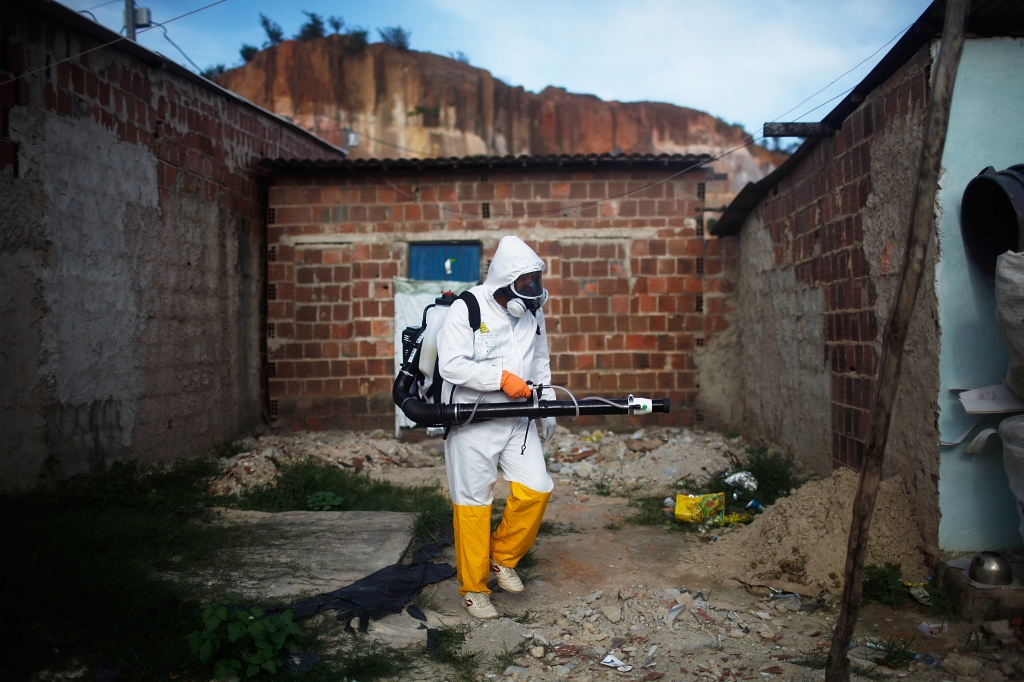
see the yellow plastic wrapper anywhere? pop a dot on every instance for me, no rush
(736, 519)
(701, 508)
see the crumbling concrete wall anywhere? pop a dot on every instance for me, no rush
(786, 395)
(911, 451)
(819, 258)
(131, 252)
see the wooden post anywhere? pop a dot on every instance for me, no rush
(837, 669)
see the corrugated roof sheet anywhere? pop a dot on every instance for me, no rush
(673, 162)
(987, 18)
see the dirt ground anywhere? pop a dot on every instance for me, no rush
(603, 587)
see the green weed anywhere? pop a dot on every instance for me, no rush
(812, 658)
(428, 600)
(234, 637)
(611, 525)
(324, 500)
(504, 658)
(883, 585)
(365, 659)
(649, 512)
(226, 449)
(556, 528)
(84, 554)
(897, 651)
(775, 474)
(449, 652)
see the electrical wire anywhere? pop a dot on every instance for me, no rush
(102, 4)
(843, 75)
(168, 38)
(108, 44)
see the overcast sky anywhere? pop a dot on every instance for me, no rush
(746, 61)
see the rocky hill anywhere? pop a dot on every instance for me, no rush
(422, 104)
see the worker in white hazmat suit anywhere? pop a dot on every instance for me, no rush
(494, 364)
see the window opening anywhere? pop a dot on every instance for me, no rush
(272, 369)
(271, 216)
(485, 210)
(272, 292)
(271, 330)
(701, 190)
(273, 409)
(699, 303)
(699, 266)
(272, 254)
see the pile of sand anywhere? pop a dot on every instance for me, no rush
(802, 538)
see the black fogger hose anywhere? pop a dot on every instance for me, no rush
(428, 414)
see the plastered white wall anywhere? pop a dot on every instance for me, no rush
(985, 124)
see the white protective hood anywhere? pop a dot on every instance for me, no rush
(512, 259)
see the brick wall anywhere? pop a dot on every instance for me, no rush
(132, 240)
(633, 287)
(815, 220)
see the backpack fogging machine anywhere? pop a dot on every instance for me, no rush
(417, 388)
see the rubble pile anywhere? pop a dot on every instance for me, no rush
(699, 635)
(260, 464)
(653, 456)
(802, 538)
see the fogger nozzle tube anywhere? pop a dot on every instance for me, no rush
(428, 414)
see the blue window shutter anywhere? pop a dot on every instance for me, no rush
(451, 261)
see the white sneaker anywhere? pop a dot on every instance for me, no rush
(507, 577)
(479, 605)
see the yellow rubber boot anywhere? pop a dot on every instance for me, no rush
(472, 547)
(524, 510)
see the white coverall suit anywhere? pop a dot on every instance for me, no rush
(471, 363)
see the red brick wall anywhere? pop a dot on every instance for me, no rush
(623, 276)
(129, 177)
(814, 218)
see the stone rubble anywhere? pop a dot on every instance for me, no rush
(260, 465)
(732, 642)
(651, 456)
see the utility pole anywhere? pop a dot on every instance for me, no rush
(129, 19)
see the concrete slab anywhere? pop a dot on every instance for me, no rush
(301, 553)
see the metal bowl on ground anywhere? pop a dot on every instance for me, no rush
(990, 568)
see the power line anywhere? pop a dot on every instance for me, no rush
(112, 42)
(840, 77)
(168, 38)
(102, 4)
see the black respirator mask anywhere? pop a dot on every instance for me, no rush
(526, 293)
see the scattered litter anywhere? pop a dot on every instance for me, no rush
(933, 629)
(700, 508)
(742, 479)
(301, 663)
(921, 595)
(613, 662)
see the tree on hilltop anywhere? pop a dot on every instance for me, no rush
(313, 28)
(395, 36)
(337, 23)
(275, 34)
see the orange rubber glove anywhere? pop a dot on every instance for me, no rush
(513, 386)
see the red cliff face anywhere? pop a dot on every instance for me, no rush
(422, 104)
